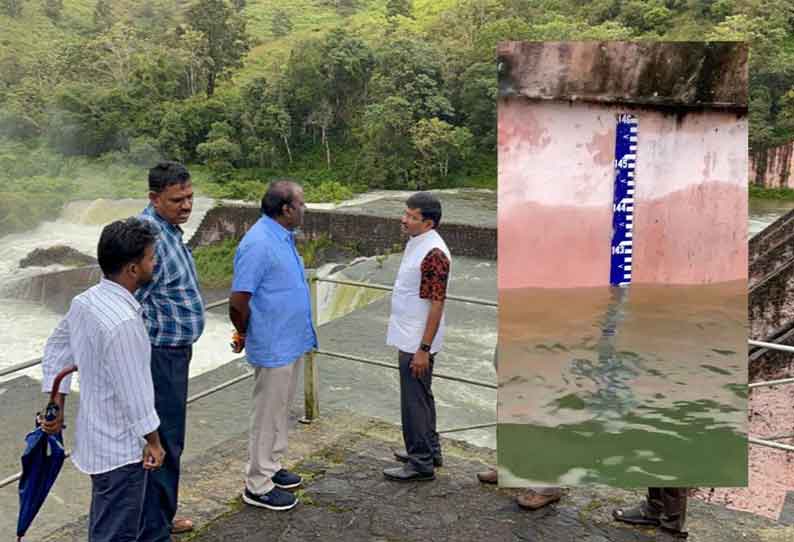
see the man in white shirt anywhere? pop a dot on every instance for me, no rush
(103, 333)
(416, 328)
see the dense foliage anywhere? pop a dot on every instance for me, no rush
(361, 94)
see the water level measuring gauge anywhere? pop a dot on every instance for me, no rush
(623, 200)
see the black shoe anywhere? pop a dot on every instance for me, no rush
(407, 473)
(438, 461)
(275, 499)
(286, 479)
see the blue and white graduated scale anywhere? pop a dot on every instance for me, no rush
(623, 201)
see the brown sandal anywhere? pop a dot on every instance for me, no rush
(181, 525)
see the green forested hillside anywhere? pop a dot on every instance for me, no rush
(342, 94)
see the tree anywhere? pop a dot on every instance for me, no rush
(346, 67)
(227, 40)
(411, 69)
(220, 151)
(646, 16)
(186, 124)
(322, 117)
(384, 134)
(53, 9)
(103, 15)
(111, 55)
(12, 8)
(266, 122)
(278, 121)
(437, 144)
(89, 120)
(239, 5)
(398, 7)
(478, 103)
(326, 84)
(194, 53)
(281, 24)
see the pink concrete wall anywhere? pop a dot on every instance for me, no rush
(556, 181)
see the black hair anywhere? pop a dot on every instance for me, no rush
(123, 242)
(165, 174)
(278, 194)
(428, 205)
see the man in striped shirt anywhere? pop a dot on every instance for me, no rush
(173, 311)
(104, 335)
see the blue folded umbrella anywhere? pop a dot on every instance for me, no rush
(41, 463)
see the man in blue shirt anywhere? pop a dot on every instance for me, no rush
(271, 310)
(173, 311)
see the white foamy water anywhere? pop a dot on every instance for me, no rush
(764, 212)
(25, 326)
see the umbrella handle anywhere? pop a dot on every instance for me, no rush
(56, 384)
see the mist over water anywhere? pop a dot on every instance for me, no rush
(625, 387)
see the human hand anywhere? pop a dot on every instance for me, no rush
(238, 342)
(420, 364)
(153, 456)
(55, 425)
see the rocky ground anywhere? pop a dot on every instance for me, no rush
(346, 498)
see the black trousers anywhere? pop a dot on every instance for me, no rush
(116, 498)
(170, 376)
(669, 504)
(418, 412)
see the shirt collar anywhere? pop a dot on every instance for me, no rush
(150, 211)
(117, 289)
(417, 238)
(278, 229)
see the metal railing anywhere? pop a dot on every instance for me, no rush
(311, 375)
(769, 442)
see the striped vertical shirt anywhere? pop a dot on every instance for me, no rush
(104, 335)
(172, 305)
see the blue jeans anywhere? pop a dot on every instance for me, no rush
(116, 498)
(170, 376)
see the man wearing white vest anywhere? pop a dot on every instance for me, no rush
(416, 328)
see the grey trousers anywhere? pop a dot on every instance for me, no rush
(274, 390)
(418, 413)
(116, 504)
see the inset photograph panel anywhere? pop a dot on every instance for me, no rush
(622, 264)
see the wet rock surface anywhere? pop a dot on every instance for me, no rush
(345, 497)
(58, 254)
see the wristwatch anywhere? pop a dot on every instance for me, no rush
(424, 347)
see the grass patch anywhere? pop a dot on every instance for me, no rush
(215, 263)
(780, 194)
(312, 250)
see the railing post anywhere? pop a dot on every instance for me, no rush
(311, 387)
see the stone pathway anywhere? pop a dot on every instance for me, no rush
(346, 498)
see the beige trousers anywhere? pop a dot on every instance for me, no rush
(274, 390)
